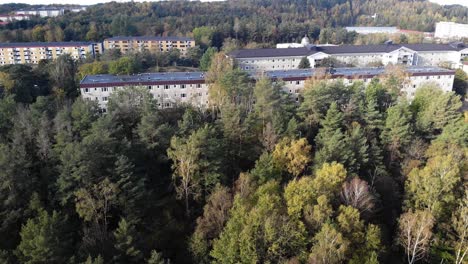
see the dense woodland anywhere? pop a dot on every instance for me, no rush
(247, 21)
(349, 174)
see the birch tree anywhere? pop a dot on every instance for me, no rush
(415, 233)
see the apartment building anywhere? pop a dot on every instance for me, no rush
(451, 30)
(10, 18)
(173, 88)
(373, 30)
(33, 52)
(450, 55)
(49, 11)
(167, 88)
(152, 44)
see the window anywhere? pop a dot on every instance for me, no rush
(183, 95)
(104, 99)
(86, 90)
(298, 82)
(149, 87)
(166, 87)
(198, 85)
(182, 86)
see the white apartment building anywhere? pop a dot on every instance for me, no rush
(373, 30)
(11, 18)
(173, 88)
(167, 88)
(451, 30)
(50, 11)
(450, 55)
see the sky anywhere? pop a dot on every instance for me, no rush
(90, 2)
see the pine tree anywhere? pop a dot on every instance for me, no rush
(44, 239)
(124, 244)
(373, 120)
(397, 132)
(97, 260)
(332, 143)
(156, 258)
(205, 61)
(359, 146)
(304, 63)
(131, 186)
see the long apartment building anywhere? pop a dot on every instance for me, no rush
(451, 30)
(450, 55)
(33, 52)
(152, 44)
(50, 11)
(173, 88)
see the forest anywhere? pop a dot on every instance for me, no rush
(260, 22)
(350, 174)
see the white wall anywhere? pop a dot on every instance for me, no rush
(165, 95)
(451, 30)
(198, 94)
(268, 64)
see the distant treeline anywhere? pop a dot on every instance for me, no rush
(265, 21)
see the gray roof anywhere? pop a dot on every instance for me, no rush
(148, 38)
(434, 47)
(144, 77)
(199, 77)
(359, 48)
(343, 49)
(352, 72)
(43, 44)
(254, 53)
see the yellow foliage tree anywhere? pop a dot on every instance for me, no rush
(294, 155)
(329, 178)
(298, 194)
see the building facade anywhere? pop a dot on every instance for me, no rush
(173, 88)
(451, 30)
(50, 11)
(448, 55)
(373, 30)
(34, 52)
(151, 44)
(11, 18)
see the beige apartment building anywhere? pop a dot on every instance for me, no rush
(152, 44)
(34, 52)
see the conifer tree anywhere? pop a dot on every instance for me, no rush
(125, 243)
(304, 63)
(332, 143)
(44, 239)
